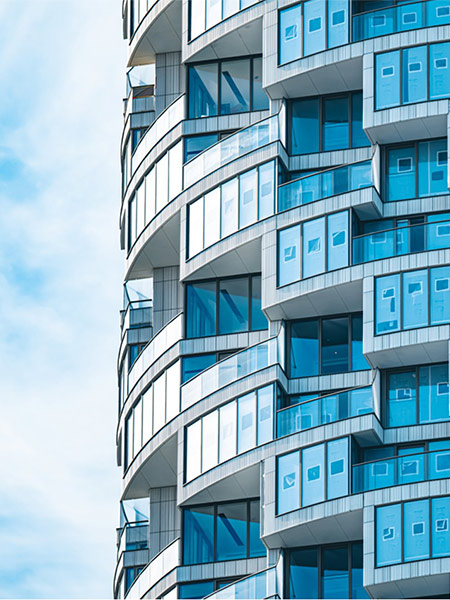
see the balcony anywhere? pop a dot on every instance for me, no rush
(255, 587)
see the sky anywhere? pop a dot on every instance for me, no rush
(62, 65)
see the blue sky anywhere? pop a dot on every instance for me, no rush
(62, 68)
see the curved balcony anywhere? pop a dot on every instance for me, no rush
(136, 316)
(159, 567)
(265, 584)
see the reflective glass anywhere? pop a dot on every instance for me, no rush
(213, 12)
(175, 170)
(259, 320)
(337, 247)
(193, 365)
(416, 523)
(201, 309)
(438, 231)
(401, 398)
(229, 207)
(266, 190)
(359, 361)
(260, 100)
(388, 535)
(288, 482)
(335, 123)
(440, 529)
(150, 193)
(210, 440)
(304, 348)
(290, 33)
(359, 138)
(415, 299)
(197, 143)
(439, 70)
(401, 173)
(198, 535)
(256, 547)
(335, 572)
(433, 393)
(246, 422)
(248, 192)
(159, 402)
(195, 240)
(203, 90)
(231, 531)
(338, 29)
(289, 255)
(198, 16)
(235, 86)
(313, 247)
(305, 126)
(440, 295)
(162, 182)
(335, 346)
(212, 217)
(357, 590)
(199, 589)
(314, 17)
(337, 468)
(303, 573)
(233, 305)
(313, 474)
(230, 7)
(433, 168)
(387, 79)
(387, 310)
(414, 76)
(227, 433)
(265, 398)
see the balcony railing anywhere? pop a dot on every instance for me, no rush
(255, 587)
(139, 530)
(403, 17)
(236, 145)
(326, 409)
(400, 470)
(137, 314)
(318, 186)
(402, 240)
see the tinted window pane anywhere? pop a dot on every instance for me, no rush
(440, 295)
(227, 433)
(266, 190)
(235, 90)
(335, 580)
(415, 299)
(357, 590)
(359, 138)
(233, 305)
(387, 304)
(289, 255)
(196, 144)
(201, 309)
(313, 26)
(256, 547)
(337, 23)
(433, 393)
(313, 475)
(314, 247)
(259, 320)
(401, 398)
(289, 33)
(248, 193)
(337, 241)
(414, 76)
(439, 70)
(335, 351)
(416, 530)
(265, 397)
(203, 90)
(389, 535)
(198, 535)
(337, 470)
(303, 574)
(433, 168)
(288, 484)
(229, 213)
(401, 173)
(199, 589)
(305, 126)
(335, 123)
(358, 360)
(304, 348)
(440, 528)
(231, 531)
(387, 79)
(246, 422)
(260, 100)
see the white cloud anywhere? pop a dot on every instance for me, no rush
(62, 75)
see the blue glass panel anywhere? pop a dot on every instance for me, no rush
(197, 143)
(337, 240)
(246, 422)
(359, 138)
(416, 523)
(198, 538)
(439, 71)
(440, 295)
(308, 415)
(248, 198)
(303, 574)
(440, 529)
(265, 414)
(337, 23)
(337, 469)
(305, 126)
(387, 79)
(313, 475)
(433, 393)
(313, 247)
(387, 309)
(414, 76)
(199, 589)
(266, 185)
(433, 168)
(388, 535)
(231, 531)
(438, 12)
(289, 34)
(255, 546)
(359, 361)
(438, 231)
(357, 590)
(401, 398)
(193, 365)
(409, 16)
(401, 173)
(289, 255)
(335, 575)
(201, 309)
(335, 346)
(335, 123)
(203, 90)
(235, 86)
(361, 401)
(313, 26)
(330, 408)
(415, 299)
(233, 305)
(259, 320)
(304, 348)
(288, 488)
(411, 465)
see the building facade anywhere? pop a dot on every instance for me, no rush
(284, 422)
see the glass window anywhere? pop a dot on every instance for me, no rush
(415, 299)
(335, 123)
(334, 349)
(313, 26)
(387, 304)
(198, 535)
(313, 247)
(439, 71)
(159, 402)
(401, 398)
(433, 393)
(440, 529)
(313, 475)
(233, 305)
(440, 295)
(210, 440)
(335, 572)
(227, 436)
(260, 100)
(359, 361)
(357, 590)
(265, 398)
(213, 12)
(289, 33)
(235, 87)
(303, 573)
(416, 530)
(433, 168)
(414, 76)
(266, 190)
(197, 20)
(201, 309)
(304, 348)
(289, 255)
(230, 7)
(193, 145)
(195, 227)
(304, 126)
(248, 190)
(337, 470)
(229, 208)
(212, 217)
(288, 483)
(337, 23)
(203, 90)
(388, 535)
(176, 170)
(259, 320)
(401, 173)
(256, 546)
(199, 589)
(162, 182)
(359, 138)
(193, 365)
(387, 79)
(172, 391)
(231, 531)
(246, 423)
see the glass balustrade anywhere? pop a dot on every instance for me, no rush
(402, 240)
(229, 370)
(400, 470)
(323, 410)
(137, 314)
(132, 536)
(255, 587)
(323, 185)
(402, 17)
(236, 145)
